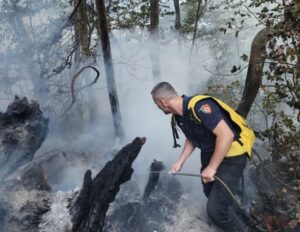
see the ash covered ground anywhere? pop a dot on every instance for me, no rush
(39, 194)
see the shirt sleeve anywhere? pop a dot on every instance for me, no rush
(209, 113)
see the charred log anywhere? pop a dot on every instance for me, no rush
(81, 206)
(155, 168)
(22, 131)
(155, 214)
(89, 208)
(24, 188)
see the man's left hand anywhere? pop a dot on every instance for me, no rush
(208, 174)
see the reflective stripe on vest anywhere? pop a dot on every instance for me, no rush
(247, 136)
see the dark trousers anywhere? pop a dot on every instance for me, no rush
(219, 203)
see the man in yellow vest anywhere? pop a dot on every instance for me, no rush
(225, 141)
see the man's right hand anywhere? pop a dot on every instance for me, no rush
(176, 167)
(185, 153)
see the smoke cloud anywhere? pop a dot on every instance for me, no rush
(86, 134)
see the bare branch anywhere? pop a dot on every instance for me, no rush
(73, 13)
(88, 85)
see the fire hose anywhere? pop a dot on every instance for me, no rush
(251, 221)
(216, 177)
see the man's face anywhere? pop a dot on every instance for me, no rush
(162, 105)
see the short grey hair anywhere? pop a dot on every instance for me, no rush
(164, 90)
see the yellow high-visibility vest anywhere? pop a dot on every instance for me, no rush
(246, 135)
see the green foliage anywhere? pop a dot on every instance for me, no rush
(229, 93)
(280, 93)
(188, 23)
(281, 88)
(135, 14)
(132, 14)
(128, 14)
(284, 76)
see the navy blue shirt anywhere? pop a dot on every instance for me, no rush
(201, 133)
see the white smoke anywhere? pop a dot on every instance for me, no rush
(140, 116)
(133, 74)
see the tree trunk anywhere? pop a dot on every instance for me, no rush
(154, 37)
(177, 15)
(81, 27)
(255, 72)
(104, 37)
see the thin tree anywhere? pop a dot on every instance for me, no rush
(83, 31)
(110, 78)
(177, 15)
(154, 35)
(81, 28)
(177, 23)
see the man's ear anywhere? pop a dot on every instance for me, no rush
(163, 102)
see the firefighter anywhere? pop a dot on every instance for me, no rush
(225, 141)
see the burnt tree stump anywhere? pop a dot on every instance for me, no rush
(23, 129)
(89, 208)
(155, 168)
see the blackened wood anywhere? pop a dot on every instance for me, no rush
(157, 213)
(89, 208)
(155, 168)
(23, 129)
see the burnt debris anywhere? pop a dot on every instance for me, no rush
(23, 129)
(155, 214)
(88, 209)
(155, 168)
(24, 189)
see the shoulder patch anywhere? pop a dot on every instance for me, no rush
(206, 109)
